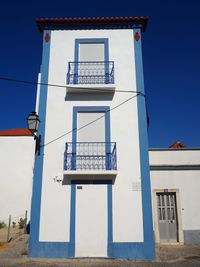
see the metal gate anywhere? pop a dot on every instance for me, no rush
(167, 217)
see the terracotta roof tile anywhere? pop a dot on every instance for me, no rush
(16, 132)
(177, 144)
(99, 22)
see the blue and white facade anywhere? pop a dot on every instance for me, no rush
(91, 189)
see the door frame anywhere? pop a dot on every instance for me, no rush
(178, 213)
(77, 109)
(73, 215)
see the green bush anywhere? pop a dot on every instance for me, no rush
(2, 224)
(22, 223)
(13, 224)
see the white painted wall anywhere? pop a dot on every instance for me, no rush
(127, 206)
(174, 157)
(187, 182)
(16, 165)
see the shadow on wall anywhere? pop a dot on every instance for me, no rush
(88, 96)
(85, 179)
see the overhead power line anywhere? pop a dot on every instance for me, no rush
(86, 125)
(138, 93)
(64, 86)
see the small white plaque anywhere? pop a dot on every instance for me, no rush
(136, 186)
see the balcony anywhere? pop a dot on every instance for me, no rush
(96, 158)
(84, 76)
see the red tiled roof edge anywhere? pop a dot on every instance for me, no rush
(42, 22)
(177, 144)
(16, 132)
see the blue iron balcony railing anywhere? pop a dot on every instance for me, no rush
(90, 156)
(91, 72)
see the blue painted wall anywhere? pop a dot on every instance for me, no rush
(36, 248)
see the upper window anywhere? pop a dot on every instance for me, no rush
(91, 63)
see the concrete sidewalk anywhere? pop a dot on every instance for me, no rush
(15, 254)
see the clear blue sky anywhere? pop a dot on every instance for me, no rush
(171, 55)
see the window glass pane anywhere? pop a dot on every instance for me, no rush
(167, 200)
(168, 214)
(159, 214)
(163, 200)
(158, 200)
(172, 200)
(173, 213)
(163, 214)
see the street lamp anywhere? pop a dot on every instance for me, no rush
(33, 124)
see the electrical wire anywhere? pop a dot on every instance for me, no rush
(64, 86)
(84, 126)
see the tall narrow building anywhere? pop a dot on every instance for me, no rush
(91, 189)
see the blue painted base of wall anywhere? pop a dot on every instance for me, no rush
(129, 250)
(191, 236)
(126, 250)
(51, 250)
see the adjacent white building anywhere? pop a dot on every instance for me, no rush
(16, 164)
(175, 186)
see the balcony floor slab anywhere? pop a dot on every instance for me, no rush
(93, 88)
(70, 177)
(103, 173)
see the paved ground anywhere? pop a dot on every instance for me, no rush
(14, 254)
